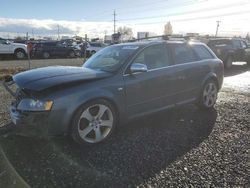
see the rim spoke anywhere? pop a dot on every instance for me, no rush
(102, 110)
(87, 115)
(98, 134)
(106, 123)
(85, 131)
(95, 128)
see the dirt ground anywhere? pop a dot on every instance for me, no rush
(182, 147)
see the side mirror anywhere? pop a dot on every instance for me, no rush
(138, 67)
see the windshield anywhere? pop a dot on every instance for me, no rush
(110, 59)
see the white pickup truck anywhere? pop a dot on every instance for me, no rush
(10, 48)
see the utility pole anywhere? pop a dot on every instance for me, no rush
(114, 20)
(217, 28)
(58, 32)
(33, 34)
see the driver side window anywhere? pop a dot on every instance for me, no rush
(154, 57)
(2, 41)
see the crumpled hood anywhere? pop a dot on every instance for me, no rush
(44, 78)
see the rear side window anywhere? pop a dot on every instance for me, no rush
(183, 53)
(202, 52)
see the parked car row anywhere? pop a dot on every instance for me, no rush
(54, 49)
(10, 48)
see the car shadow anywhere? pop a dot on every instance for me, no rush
(237, 68)
(136, 152)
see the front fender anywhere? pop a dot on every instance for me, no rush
(62, 114)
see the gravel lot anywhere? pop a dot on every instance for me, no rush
(182, 147)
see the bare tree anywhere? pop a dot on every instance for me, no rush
(248, 37)
(126, 31)
(168, 29)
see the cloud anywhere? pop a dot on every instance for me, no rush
(48, 27)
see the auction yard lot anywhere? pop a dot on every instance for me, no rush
(182, 147)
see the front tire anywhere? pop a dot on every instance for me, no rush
(94, 122)
(208, 95)
(20, 54)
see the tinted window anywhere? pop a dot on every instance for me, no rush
(236, 43)
(219, 42)
(183, 54)
(243, 44)
(96, 44)
(202, 52)
(2, 41)
(49, 44)
(154, 57)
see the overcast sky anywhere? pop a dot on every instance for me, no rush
(95, 17)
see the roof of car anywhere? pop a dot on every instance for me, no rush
(152, 42)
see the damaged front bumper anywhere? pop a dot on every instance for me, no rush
(26, 122)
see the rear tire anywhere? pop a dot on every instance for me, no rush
(71, 54)
(208, 95)
(229, 62)
(94, 122)
(248, 63)
(46, 55)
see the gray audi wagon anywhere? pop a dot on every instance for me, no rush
(117, 84)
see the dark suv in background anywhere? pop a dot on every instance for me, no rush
(54, 49)
(117, 84)
(230, 50)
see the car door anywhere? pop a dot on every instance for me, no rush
(189, 72)
(4, 47)
(150, 91)
(61, 49)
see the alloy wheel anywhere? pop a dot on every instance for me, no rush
(20, 55)
(210, 94)
(95, 123)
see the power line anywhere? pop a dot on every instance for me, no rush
(114, 20)
(149, 7)
(187, 12)
(198, 18)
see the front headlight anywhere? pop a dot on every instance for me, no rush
(35, 105)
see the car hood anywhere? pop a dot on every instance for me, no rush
(19, 45)
(48, 77)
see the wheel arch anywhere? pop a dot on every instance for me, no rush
(19, 49)
(76, 109)
(210, 76)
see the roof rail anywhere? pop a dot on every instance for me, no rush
(163, 37)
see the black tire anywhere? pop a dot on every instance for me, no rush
(207, 98)
(20, 54)
(71, 54)
(229, 62)
(90, 126)
(248, 63)
(46, 55)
